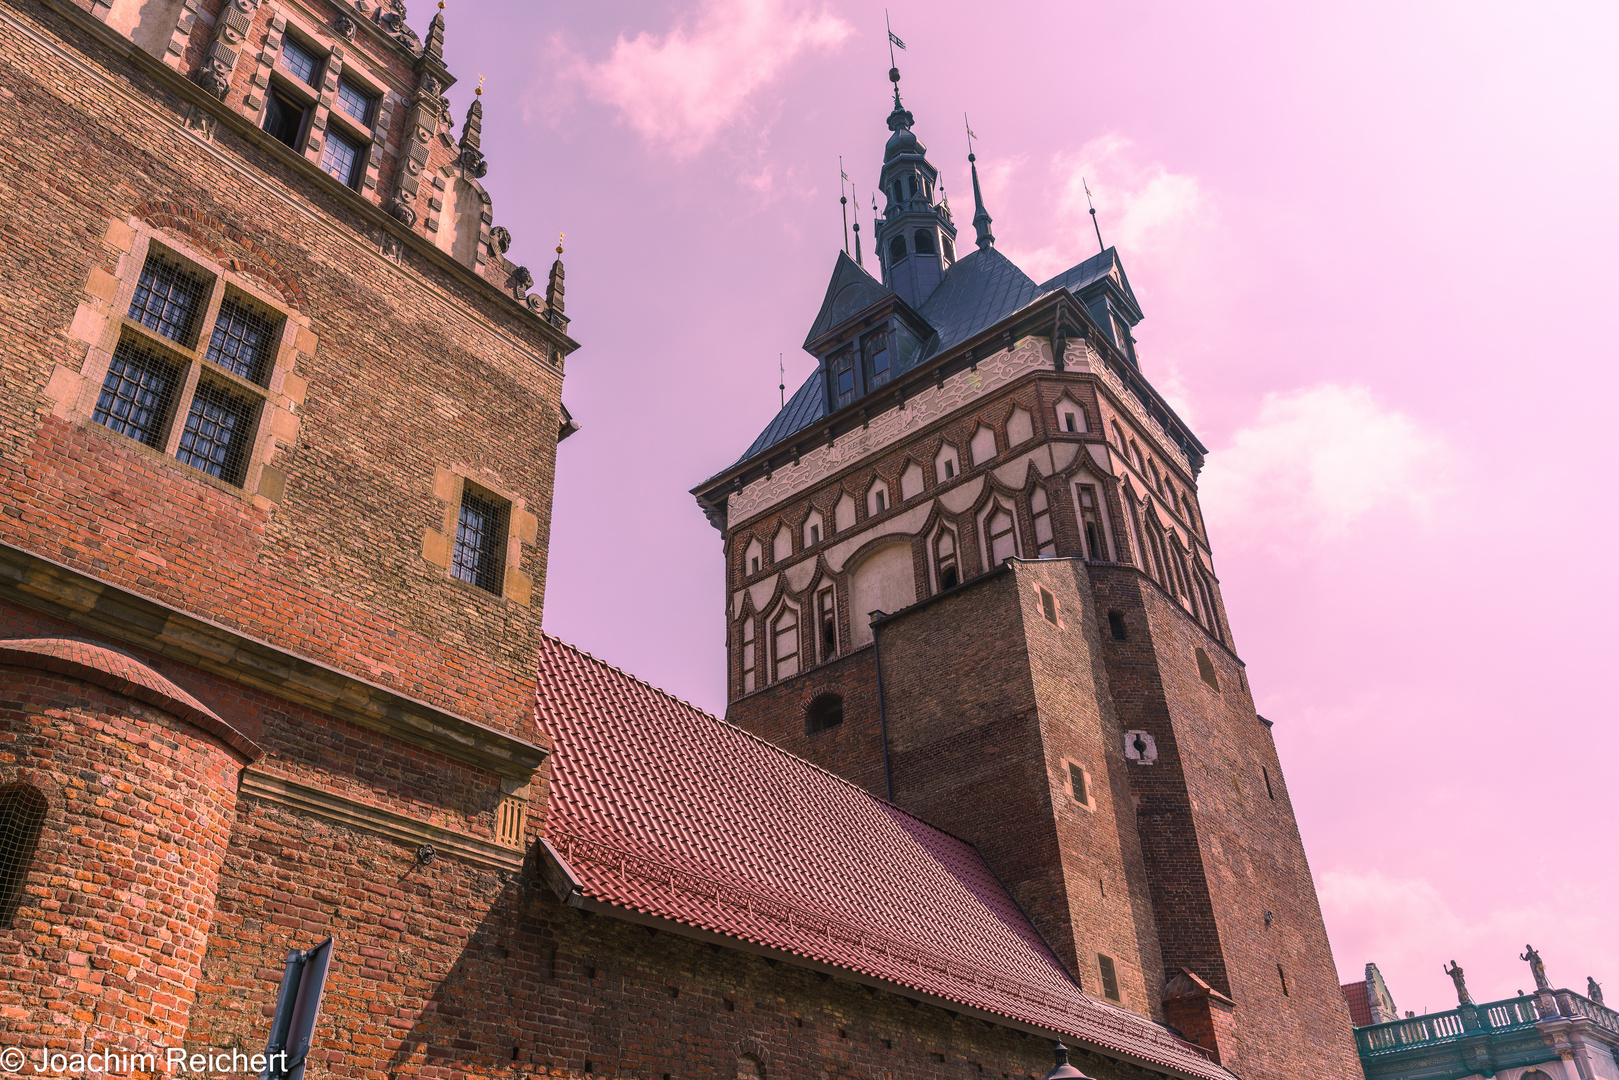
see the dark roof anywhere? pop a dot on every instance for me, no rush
(1092, 270)
(977, 292)
(807, 405)
(851, 291)
(661, 810)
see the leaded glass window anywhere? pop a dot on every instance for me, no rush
(243, 341)
(137, 393)
(167, 298)
(217, 432)
(480, 542)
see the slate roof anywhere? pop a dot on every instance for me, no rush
(1091, 270)
(978, 291)
(659, 808)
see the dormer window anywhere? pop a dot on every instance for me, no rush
(356, 102)
(843, 387)
(877, 353)
(299, 61)
(341, 158)
(924, 242)
(284, 118)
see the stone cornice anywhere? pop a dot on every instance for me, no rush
(345, 811)
(141, 621)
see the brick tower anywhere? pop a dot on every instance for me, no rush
(966, 568)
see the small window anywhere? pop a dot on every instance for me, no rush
(824, 712)
(1281, 975)
(1069, 423)
(815, 535)
(924, 242)
(843, 387)
(1110, 978)
(22, 816)
(1115, 623)
(749, 666)
(896, 248)
(949, 250)
(1266, 774)
(244, 340)
(1205, 669)
(138, 394)
(826, 614)
(168, 298)
(753, 565)
(480, 541)
(1090, 519)
(354, 101)
(944, 559)
(218, 433)
(299, 61)
(878, 368)
(1080, 782)
(1048, 605)
(341, 158)
(949, 468)
(284, 118)
(1002, 539)
(1118, 435)
(784, 639)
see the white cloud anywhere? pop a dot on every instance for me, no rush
(1316, 461)
(1146, 209)
(681, 89)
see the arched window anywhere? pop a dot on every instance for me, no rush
(1000, 538)
(22, 815)
(1118, 436)
(896, 249)
(924, 242)
(784, 642)
(949, 251)
(1090, 522)
(826, 616)
(944, 559)
(877, 353)
(1040, 506)
(826, 711)
(749, 1067)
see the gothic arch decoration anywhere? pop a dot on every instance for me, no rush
(784, 629)
(998, 531)
(944, 556)
(881, 578)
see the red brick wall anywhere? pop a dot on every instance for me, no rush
(1219, 851)
(412, 370)
(107, 945)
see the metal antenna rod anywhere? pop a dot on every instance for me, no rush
(781, 364)
(1099, 245)
(843, 198)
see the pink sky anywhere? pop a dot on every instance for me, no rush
(1376, 250)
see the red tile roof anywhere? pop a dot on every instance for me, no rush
(659, 808)
(1360, 1005)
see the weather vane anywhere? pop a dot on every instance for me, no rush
(1100, 246)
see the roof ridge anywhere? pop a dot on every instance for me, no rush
(766, 743)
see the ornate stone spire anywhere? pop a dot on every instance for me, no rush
(472, 136)
(981, 218)
(434, 46)
(555, 290)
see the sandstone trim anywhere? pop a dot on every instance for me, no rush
(358, 815)
(49, 586)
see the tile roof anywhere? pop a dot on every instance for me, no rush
(1360, 1005)
(659, 808)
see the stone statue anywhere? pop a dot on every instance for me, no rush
(1455, 973)
(1536, 967)
(1593, 990)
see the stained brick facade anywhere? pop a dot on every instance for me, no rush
(283, 712)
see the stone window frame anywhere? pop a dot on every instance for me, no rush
(1068, 767)
(522, 528)
(102, 320)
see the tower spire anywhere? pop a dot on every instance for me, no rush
(981, 218)
(1099, 245)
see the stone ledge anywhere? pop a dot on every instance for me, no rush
(358, 815)
(40, 583)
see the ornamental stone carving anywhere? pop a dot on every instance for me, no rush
(500, 240)
(344, 27)
(402, 211)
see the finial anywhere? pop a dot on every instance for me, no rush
(1063, 1071)
(478, 92)
(1099, 245)
(844, 199)
(893, 65)
(441, 5)
(981, 218)
(560, 235)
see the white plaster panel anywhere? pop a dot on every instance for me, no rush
(906, 524)
(884, 581)
(1014, 472)
(762, 592)
(957, 500)
(843, 513)
(982, 445)
(910, 484)
(1103, 456)
(930, 404)
(799, 574)
(1019, 428)
(1062, 456)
